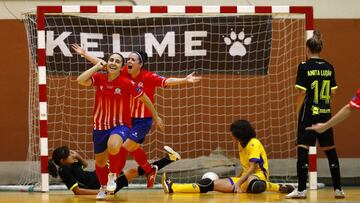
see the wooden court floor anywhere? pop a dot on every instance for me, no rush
(157, 195)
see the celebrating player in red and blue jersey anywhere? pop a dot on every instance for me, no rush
(112, 116)
(339, 116)
(141, 117)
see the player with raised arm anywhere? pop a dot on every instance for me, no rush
(69, 166)
(112, 116)
(141, 116)
(316, 84)
(344, 113)
(253, 179)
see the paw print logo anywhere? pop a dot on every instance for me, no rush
(237, 42)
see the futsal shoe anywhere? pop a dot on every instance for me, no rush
(296, 195)
(102, 193)
(151, 176)
(285, 188)
(167, 184)
(339, 194)
(111, 184)
(171, 154)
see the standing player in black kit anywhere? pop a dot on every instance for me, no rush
(316, 84)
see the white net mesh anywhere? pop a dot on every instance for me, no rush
(248, 65)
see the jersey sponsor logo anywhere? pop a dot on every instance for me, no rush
(317, 111)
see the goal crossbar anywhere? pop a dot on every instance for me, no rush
(144, 9)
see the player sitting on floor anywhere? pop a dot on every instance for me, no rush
(255, 174)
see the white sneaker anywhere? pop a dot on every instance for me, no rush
(111, 184)
(296, 194)
(173, 156)
(339, 194)
(102, 193)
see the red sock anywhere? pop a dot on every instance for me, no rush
(140, 157)
(122, 156)
(102, 174)
(114, 160)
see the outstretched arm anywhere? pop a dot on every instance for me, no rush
(78, 49)
(339, 117)
(178, 81)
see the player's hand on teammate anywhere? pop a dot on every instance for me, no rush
(78, 49)
(319, 127)
(159, 123)
(192, 79)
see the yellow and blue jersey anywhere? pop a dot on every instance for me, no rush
(254, 152)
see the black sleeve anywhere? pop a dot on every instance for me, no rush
(67, 177)
(301, 77)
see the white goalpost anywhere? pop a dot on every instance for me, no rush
(247, 56)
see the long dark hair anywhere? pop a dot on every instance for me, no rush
(53, 163)
(315, 43)
(242, 131)
(142, 57)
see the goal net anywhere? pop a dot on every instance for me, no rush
(248, 66)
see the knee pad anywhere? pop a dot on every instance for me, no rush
(206, 185)
(256, 186)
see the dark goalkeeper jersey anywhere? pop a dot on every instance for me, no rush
(317, 78)
(74, 175)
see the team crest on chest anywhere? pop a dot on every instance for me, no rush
(117, 90)
(140, 84)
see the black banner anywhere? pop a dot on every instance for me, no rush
(231, 44)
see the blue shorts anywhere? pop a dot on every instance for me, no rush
(101, 137)
(140, 127)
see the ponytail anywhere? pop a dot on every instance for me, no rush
(315, 43)
(52, 168)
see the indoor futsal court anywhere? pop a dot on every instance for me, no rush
(181, 102)
(155, 195)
